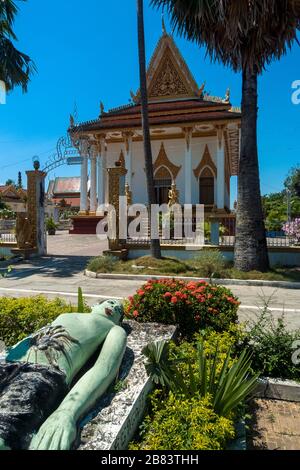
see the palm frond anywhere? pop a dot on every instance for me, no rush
(242, 34)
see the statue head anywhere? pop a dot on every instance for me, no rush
(111, 309)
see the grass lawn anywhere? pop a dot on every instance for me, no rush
(204, 265)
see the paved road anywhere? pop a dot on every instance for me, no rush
(61, 273)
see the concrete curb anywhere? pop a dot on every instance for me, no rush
(222, 282)
(276, 389)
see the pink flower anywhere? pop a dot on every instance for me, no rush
(135, 314)
(174, 300)
(167, 295)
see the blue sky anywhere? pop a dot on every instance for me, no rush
(86, 52)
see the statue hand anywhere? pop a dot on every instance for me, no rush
(57, 433)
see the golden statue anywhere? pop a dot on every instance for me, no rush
(23, 231)
(173, 195)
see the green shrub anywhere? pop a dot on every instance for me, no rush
(20, 318)
(177, 423)
(200, 372)
(272, 347)
(210, 263)
(102, 264)
(193, 305)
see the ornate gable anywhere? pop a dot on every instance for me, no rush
(168, 76)
(168, 81)
(163, 161)
(206, 161)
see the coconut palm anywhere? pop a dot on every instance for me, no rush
(15, 66)
(155, 244)
(247, 35)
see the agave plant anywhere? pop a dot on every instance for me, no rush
(161, 369)
(227, 388)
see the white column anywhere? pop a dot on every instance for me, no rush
(101, 170)
(84, 179)
(221, 169)
(100, 180)
(93, 190)
(128, 158)
(188, 165)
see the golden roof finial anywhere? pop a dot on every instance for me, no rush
(72, 120)
(227, 96)
(101, 108)
(135, 98)
(201, 90)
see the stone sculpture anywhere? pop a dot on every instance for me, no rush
(23, 231)
(41, 397)
(173, 195)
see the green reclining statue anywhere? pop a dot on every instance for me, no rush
(40, 402)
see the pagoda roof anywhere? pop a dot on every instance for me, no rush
(161, 113)
(173, 94)
(64, 185)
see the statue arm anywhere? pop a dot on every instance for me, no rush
(59, 431)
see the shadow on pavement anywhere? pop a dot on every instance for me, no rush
(52, 266)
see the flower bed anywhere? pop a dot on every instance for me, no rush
(193, 305)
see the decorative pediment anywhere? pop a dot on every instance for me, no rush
(168, 81)
(168, 75)
(163, 161)
(206, 161)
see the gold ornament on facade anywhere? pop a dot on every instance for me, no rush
(168, 81)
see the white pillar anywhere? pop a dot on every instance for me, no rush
(221, 169)
(101, 170)
(84, 179)
(100, 180)
(128, 158)
(93, 190)
(188, 165)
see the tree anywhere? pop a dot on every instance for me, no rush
(245, 35)
(10, 182)
(155, 243)
(293, 181)
(20, 184)
(15, 66)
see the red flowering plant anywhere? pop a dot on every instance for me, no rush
(192, 306)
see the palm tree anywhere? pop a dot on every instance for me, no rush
(247, 35)
(155, 243)
(15, 66)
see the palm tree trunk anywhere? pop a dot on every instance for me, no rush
(251, 251)
(155, 244)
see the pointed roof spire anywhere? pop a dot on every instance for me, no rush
(164, 30)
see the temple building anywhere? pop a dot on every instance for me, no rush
(195, 141)
(65, 192)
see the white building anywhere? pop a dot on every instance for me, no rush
(195, 140)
